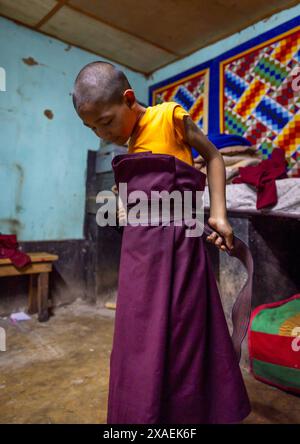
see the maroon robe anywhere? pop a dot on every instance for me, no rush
(172, 360)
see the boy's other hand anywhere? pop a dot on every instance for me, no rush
(222, 236)
(114, 189)
(199, 162)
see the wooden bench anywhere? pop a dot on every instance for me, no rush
(38, 270)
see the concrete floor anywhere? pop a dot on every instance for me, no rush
(57, 372)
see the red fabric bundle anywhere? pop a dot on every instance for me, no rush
(9, 249)
(263, 177)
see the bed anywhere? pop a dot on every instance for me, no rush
(241, 198)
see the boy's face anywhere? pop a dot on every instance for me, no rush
(111, 122)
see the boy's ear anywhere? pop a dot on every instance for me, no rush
(129, 97)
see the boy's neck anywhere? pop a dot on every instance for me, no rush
(139, 111)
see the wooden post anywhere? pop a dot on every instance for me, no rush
(42, 296)
(32, 304)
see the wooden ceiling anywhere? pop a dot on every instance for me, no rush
(143, 35)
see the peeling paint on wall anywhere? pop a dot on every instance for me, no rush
(30, 61)
(48, 113)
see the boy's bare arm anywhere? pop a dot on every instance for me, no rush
(216, 177)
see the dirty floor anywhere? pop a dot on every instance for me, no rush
(57, 372)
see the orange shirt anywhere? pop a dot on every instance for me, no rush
(161, 131)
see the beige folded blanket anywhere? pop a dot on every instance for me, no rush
(234, 158)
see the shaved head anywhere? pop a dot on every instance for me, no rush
(99, 81)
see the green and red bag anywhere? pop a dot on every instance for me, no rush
(274, 344)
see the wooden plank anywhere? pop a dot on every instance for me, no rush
(181, 26)
(28, 12)
(53, 11)
(35, 257)
(69, 25)
(115, 25)
(11, 270)
(43, 257)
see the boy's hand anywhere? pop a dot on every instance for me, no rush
(222, 228)
(121, 215)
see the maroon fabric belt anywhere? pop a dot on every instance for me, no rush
(241, 310)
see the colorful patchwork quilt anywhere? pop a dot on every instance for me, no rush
(190, 92)
(259, 101)
(274, 344)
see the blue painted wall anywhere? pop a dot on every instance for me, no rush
(43, 161)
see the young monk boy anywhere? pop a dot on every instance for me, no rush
(172, 359)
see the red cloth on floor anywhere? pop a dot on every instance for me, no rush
(263, 177)
(9, 249)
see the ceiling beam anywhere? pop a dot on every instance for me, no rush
(51, 13)
(113, 26)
